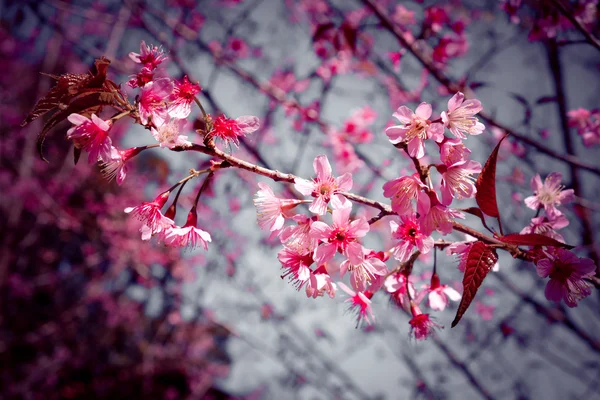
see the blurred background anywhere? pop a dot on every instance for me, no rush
(89, 310)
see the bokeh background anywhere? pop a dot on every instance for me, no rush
(88, 310)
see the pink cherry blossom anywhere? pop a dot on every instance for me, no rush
(296, 265)
(438, 294)
(91, 135)
(342, 236)
(402, 191)
(410, 236)
(567, 273)
(299, 234)
(324, 187)
(360, 303)
(453, 151)
(182, 97)
(169, 134)
(149, 56)
(153, 101)
(271, 210)
(399, 287)
(434, 215)
(319, 283)
(361, 275)
(547, 227)
(460, 118)
(230, 130)
(421, 325)
(457, 181)
(549, 194)
(150, 215)
(415, 129)
(189, 235)
(144, 76)
(116, 165)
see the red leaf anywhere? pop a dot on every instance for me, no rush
(480, 260)
(486, 185)
(532, 239)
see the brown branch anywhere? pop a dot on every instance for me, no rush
(591, 39)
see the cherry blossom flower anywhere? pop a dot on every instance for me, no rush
(587, 124)
(153, 101)
(149, 56)
(421, 325)
(140, 79)
(457, 181)
(91, 135)
(567, 273)
(169, 134)
(415, 129)
(116, 166)
(149, 213)
(296, 265)
(399, 287)
(547, 227)
(434, 215)
(188, 235)
(410, 235)
(342, 236)
(360, 303)
(230, 130)
(453, 151)
(362, 274)
(438, 294)
(324, 187)
(402, 191)
(460, 118)
(299, 234)
(182, 97)
(549, 194)
(319, 283)
(271, 210)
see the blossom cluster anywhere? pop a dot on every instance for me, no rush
(318, 250)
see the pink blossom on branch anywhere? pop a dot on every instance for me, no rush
(188, 235)
(324, 187)
(434, 215)
(460, 118)
(410, 235)
(567, 273)
(402, 191)
(549, 194)
(415, 129)
(153, 101)
(182, 97)
(91, 135)
(438, 294)
(342, 236)
(230, 130)
(169, 134)
(421, 325)
(457, 181)
(361, 275)
(271, 210)
(149, 56)
(360, 303)
(399, 287)
(150, 215)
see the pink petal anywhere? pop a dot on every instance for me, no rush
(325, 252)
(322, 168)
(555, 290)
(340, 216)
(318, 206)
(455, 101)
(354, 252)
(396, 133)
(248, 124)
(77, 119)
(423, 111)
(403, 114)
(320, 230)
(437, 301)
(304, 186)
(344, 182)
